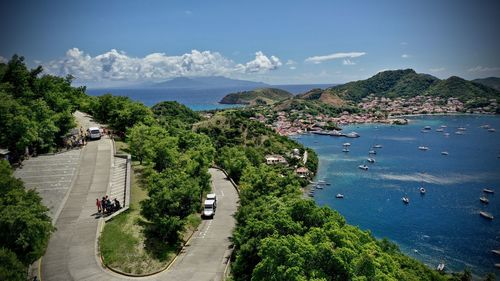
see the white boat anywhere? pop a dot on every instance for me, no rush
(352, 135)
(440, 130)
(491, 130)
(444, 153)
(459, 133)
(486, 215)
(427, 127)
(377, 146)
(488, 190)
(340, 196)
(345, 149)
(423, 147)
(443, 126)
(318, 186)
(486, 126)
(405, 199)
(484, 200)
(363, 167)
(347, 144)
(372, 152)
(371, 160)
(446, 134)
(461, 129)
(424, 131)
(440, 267)
(422, 190)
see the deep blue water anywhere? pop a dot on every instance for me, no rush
(196, 99)
(444, 224)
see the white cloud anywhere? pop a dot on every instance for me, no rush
(480, 68)
(348, 62)
(3, 60)
(116, 65)
(290, 62)
(405, 56)
(261, 63)
(293, 67)
(437, 69)
(320, 59)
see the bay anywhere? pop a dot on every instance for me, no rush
(442, 225)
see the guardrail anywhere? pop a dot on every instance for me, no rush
(126, 191)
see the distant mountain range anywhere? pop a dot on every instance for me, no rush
(492, 82)
(207, 82)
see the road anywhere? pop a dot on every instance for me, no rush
(72, 250)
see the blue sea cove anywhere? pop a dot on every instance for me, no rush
(442, 225)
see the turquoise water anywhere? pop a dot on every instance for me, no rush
(444, 224)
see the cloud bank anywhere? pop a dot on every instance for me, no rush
(116, 65)
(320, 59)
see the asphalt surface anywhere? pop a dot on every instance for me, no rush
(72, 251)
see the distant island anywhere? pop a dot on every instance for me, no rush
(263, 96)
(207, 83)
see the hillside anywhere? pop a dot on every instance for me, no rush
(258, 96)
(492, 82)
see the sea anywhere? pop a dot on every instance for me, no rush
(443, 225)
(195, 98)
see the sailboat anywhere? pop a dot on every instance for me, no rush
(406, 199)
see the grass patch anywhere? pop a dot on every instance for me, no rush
(121, 147)
(123, 243)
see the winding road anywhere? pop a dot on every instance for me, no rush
(72, 252)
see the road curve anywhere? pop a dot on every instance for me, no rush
(72, 251)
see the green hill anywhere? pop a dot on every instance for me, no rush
(258, 96)
(492, 82)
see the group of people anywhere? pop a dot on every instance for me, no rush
(106, 206)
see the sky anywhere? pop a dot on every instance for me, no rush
(112, 43)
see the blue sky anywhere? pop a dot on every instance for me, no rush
(279, 42)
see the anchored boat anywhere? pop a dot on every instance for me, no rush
(484, 200)
(488, 190)
(486, 215)
(339, 196)
(363, 167)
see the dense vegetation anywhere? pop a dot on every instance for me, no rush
(256, 97)
(492, 82)
(35, 112)
(24, 223)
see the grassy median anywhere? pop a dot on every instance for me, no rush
(123, 244)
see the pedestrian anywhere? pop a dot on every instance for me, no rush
(98, 204)
(108, 204)
(103, 205)
(117, 204)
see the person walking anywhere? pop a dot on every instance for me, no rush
(98, 204)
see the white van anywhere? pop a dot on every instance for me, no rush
(94, 133)
(212, 196)
(209, 209)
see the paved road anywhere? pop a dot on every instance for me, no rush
(72, 255)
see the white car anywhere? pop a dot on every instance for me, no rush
(209, 209)
(94, 133)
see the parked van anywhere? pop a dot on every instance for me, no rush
(212, 196)
(209, 209)
(94, 133)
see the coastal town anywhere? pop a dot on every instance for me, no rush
(373, 109)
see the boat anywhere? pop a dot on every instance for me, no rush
(491, 130)
(440, 130)
(440, 266)
(352, 135)
(485, 126)
(443, 126)
(444, 153)
(427, 127)
(372, 152)
(488, 190)
(486, 215)
(340, 196)
(459, 133)
(345, 149)
(446, 134)
(496, 252)
(461, 129)
(322, 182)
(405, 199)
(347, 144)
(363, 167)
(424, 131)
(377, 146)
(371, 160)
(318, 186)
(484, 200)
(422, 190)
(423, 147)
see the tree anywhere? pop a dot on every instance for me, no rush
(10, 267)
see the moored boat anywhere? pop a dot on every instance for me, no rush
(427, 127)
(347, 144)
(486, 215)
(488, 190)
(372, 152)
(377, 146)
(496, 252)
(371, 160)
(440, 130)
(345, 149)
(352, 135)
(363, 167)
(446, 134)
(340, 196)
(444, 153)
(422, 190)
(459, 133)
(491, 130)
(423, 147)
(440, 266)
(405, 199)
(484, 200)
